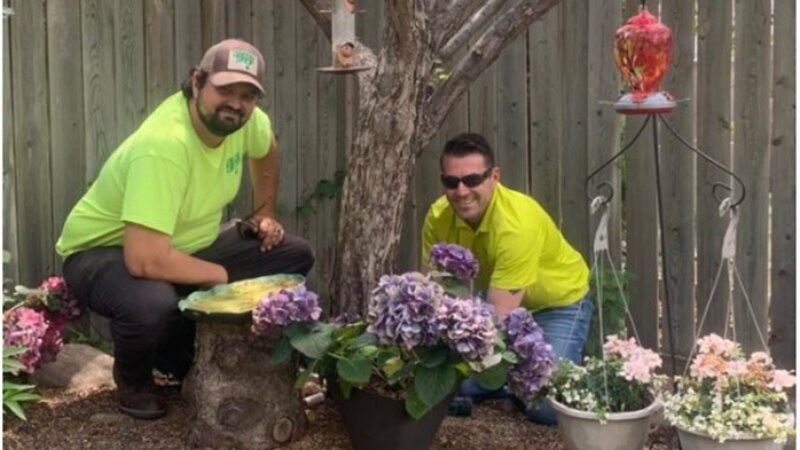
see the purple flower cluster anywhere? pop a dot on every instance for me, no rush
(68, 307)
(26, 327)
(454, 259)
(536, 358)
(468, 327)
(402, 310)
(283, 307)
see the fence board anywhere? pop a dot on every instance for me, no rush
(678, 189)
(546, 121)
(511, 139)
(574, 161)
(783, 188)
(285, 113)
(129, 67)
(159, 51)
(66, 109)
(714, 69)
(751, 158)
(214, 22)
(308, 173)
(239, 17)
(10, 237)
(603, 124)
(98, 81)
(31, 141)
(188, 37)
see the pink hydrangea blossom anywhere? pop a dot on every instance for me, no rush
(25, 327)
(782, 379)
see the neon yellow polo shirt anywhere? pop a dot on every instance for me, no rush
(518, 246)
(163, 177)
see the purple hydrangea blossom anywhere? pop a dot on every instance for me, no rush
(69, 307)
(402, 310)
(536, 358)
(454, 259)
(284, 307)
(468, 328)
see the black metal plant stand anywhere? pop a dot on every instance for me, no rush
(652, 119)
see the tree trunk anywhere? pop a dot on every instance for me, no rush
(237, 399)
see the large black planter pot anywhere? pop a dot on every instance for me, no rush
(375, 422)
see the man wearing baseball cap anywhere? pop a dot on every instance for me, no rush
(148, 230)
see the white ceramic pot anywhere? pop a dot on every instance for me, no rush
(693, 440)
(582, 430)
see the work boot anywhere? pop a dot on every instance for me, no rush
(140, 401)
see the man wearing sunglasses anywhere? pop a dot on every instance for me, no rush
(148, 230)
(524, 259)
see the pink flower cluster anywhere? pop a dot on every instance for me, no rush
(37, 324)
(638, 363)
(721, 360)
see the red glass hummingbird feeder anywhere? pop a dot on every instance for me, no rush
(643, 52)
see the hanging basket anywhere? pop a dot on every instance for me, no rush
(583, 430)
(693, 440)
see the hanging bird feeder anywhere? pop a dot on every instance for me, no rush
(343, 38)
(642, 53)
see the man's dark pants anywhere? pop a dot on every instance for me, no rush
(147, 328)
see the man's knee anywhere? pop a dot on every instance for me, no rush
(300, 254)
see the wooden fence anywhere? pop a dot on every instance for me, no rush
(79, 76)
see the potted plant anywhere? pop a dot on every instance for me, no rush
(730, 401)
(393, 372)
(607, 403)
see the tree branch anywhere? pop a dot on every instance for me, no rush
(323, 19)
(450, 16)
(470, 27)
(489, 46)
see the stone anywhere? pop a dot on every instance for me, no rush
(78, 368)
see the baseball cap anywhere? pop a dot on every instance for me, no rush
(234, 61)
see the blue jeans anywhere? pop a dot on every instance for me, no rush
(566, 329)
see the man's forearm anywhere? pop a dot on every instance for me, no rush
(264, 174)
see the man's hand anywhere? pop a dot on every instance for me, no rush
(270, 232)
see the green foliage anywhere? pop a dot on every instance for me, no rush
(15, 394)
(614, 303)
(324, 190)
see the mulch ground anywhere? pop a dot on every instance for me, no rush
(91, 421)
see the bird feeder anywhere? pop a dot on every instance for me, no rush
(642, 53)
(343, 38)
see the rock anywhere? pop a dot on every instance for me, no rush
(78, 368)
(106, 418)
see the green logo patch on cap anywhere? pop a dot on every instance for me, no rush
(244, 61)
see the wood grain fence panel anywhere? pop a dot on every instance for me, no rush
(511, 139)
(677, 175)
(31, 141)
(188, 37)
(98, 83)
(545, 80)
(159, 51)
(603, 124)
(574, 161)
(264, 40)
(714, 69)
(308, 172)
(783, 188)
(285, 111)
(239, 18)
(641, 226)
(214, 22)
(65, 79)
(10, 237)
(752, 84)
(129, 67)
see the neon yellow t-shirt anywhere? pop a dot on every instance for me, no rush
(517, 245)
(163, 177)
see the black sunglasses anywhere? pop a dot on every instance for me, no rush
(472, 180)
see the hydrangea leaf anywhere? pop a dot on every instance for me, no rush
(415, 407)
(356, 370)
(494, 377)
(314, 344)
(282, 353)
(433, 384)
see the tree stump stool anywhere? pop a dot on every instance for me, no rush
(237, 399)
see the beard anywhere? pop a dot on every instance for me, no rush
(222, 121)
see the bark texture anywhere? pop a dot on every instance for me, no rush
(237, 399)
(402, 103)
